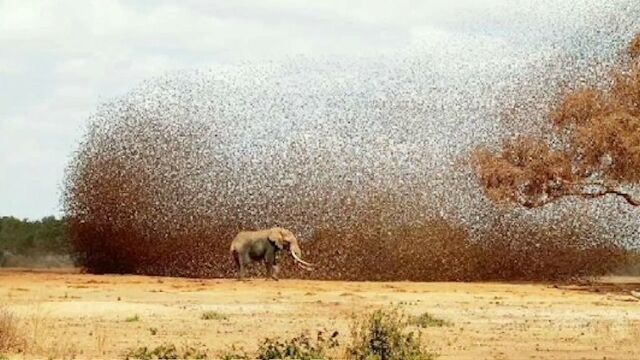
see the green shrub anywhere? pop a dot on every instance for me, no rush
(165, 352)
(133, 318)
(193, 353)
(235, 354)
(383, 335)
(426, 320)
(160, 352)
(212, 315)
(302, 347)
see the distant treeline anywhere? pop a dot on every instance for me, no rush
(33, 237)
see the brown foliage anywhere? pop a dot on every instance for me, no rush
(625, 94)
(600, 136)
(578, 108)
(527, 171)
(610, 144)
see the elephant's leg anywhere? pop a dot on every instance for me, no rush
(235, 256)
(243, 261)
(272, 267)
(241, 271)
(269, 267)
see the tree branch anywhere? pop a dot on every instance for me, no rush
(603, 192)
(627, 197)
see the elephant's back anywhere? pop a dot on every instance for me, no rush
(253, 235)
(245, 237)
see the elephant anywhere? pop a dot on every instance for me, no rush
(250, 246)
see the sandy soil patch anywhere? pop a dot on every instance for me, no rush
(67, 314)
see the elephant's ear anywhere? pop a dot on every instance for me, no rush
(276, 237)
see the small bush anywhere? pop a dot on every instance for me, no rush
(212, 315)
(165, 352)
(235, 354)
(426, 320)
(301, 347)
(382, 335)
(160, 352)
(133, 318)
(11, 338)
(193, 353)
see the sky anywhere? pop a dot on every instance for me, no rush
(60, 59)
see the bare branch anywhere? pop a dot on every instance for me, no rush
(583, 194)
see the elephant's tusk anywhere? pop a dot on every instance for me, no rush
(304, 267)
(300, 260)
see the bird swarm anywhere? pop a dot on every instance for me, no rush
(364, 159)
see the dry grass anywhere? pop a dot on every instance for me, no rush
(479, 313)
(12, 339)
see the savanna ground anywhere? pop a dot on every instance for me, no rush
(65, 314)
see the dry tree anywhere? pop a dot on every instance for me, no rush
(594, 150)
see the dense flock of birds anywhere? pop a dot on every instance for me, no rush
(337, 146)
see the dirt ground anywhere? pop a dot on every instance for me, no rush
(65, 314)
